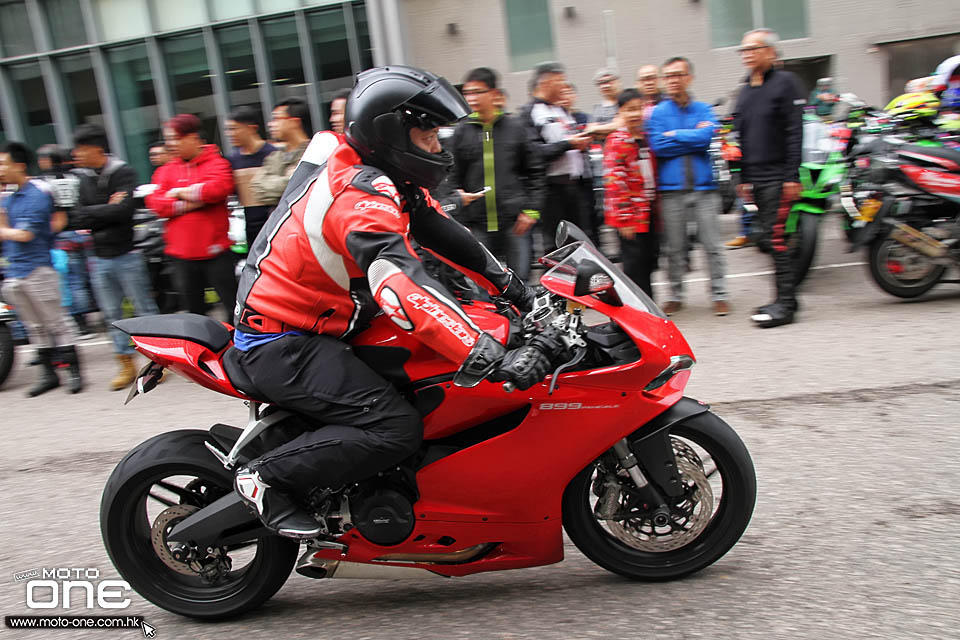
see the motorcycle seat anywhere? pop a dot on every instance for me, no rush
(203, 330)
(952, 156)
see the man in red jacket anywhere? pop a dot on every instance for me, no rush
(336, 251)
(192, 190)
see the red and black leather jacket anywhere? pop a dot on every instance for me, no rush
(337, 250)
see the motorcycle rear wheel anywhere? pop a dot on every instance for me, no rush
(916, 273)
(174, 471)
(708, 536)
(6, 352)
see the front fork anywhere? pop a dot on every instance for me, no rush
(661, 465)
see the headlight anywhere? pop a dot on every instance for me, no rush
(677, 364)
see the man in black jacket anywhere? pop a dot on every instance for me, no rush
(105, 207)
(769, 119)
(559, 145)
(497, 173)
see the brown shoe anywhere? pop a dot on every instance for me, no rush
(721, 308)
(126, 375)
(672, 307)
(738, 243)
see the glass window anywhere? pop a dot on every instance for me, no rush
(30, 97)
(328, 31)
(787, 17)
(186, 61)
(15, 32)
(729, 20)
(529, 31)
(80, 90)
(121, 19)
(65, 22)
(176, 14)
(227, 9)
(136, 103)
(363, 35)
(269, 6)
(283, 53)
(240, 74)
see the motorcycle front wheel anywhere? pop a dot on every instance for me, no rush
(608, 527)
(6, 352)
(901, 271)
(805, 241)
(159, 483)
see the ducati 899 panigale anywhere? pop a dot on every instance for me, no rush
(647, 483)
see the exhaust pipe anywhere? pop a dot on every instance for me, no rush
(320, 568)
(918, 240)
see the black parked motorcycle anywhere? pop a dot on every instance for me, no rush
(7, 316)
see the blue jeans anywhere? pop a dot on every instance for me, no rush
(746, 218)
(114, 279)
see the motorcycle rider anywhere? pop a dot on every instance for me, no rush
(335, 252)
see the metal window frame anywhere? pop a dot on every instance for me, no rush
(46, 56)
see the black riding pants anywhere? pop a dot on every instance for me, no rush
(367, 425)
(772, 212)
(193, 276)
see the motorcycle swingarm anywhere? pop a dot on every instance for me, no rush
(227, 521)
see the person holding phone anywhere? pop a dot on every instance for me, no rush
(497, 173)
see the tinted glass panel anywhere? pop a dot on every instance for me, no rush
(80, 89)
(283, 53)
(137, 104)
(66, 23)
(729, 20)
(363, 35)
(186, 61)
(30, 97)
(122, 18)
(328, 32)
(15, 32)
(529, 31)
(787, 17)
(240, 75)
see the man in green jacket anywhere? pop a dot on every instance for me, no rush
(498, 174)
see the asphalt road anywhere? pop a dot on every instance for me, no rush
(852, 416)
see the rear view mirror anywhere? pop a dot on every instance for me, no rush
(591, 278)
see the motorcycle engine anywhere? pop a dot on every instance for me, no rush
(384, 516)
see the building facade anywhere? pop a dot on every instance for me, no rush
(870, 47)
(130, 64)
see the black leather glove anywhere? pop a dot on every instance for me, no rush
(524, 367)
(519, 293)
(529, 364)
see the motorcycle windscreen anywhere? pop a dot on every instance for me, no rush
(566, 260)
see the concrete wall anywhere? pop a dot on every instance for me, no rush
(650, 31)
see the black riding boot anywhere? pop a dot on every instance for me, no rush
(782, 310)
(68, 355)
(48, 374)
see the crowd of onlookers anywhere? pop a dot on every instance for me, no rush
(516, 173)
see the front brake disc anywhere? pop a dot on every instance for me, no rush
(687, 519)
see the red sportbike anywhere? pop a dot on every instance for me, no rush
(647, 483)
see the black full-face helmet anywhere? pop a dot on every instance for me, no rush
(382, 108)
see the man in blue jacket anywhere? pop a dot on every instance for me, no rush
(680, 131)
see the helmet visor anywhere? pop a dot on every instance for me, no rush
(438, 104)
